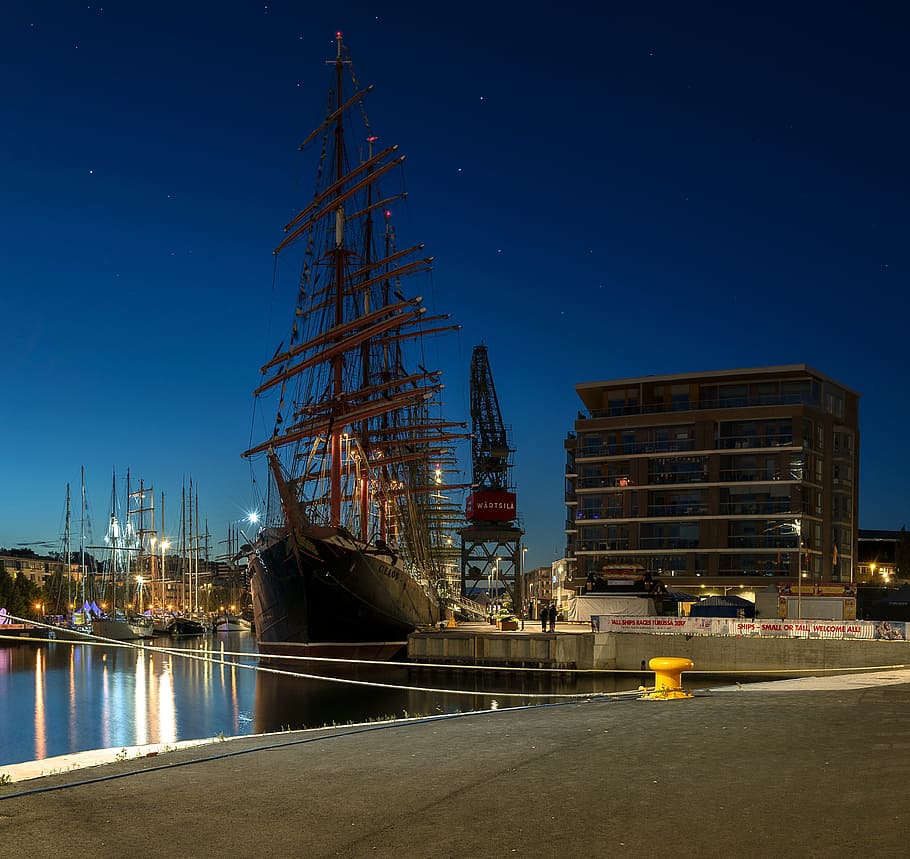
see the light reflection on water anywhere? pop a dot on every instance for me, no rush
(58, 698)
(40, 726)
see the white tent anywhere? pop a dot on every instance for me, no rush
(585, 606)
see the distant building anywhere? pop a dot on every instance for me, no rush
(729, 477)
(538, 588)
(546, 585)
(877, 557)
(36, 568)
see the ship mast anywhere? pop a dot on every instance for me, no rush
(364, 487)
(338, 358)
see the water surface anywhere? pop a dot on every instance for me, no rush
(58, 698)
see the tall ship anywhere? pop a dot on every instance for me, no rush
(356, 548)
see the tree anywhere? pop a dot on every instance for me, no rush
(19, 595)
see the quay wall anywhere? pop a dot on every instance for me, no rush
(723, 653)
(607, 651)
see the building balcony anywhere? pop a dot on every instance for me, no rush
(704, 405)
(602, 546)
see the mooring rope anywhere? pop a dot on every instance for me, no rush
(210, 657)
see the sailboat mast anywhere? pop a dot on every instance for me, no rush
(82, 536)
(127, 541)
(338, 358)
(112, 540)
(163, 544)
(191, 545)
(197, 536)
(183, 547)
(66, 551)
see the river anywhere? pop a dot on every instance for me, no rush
(57, 698)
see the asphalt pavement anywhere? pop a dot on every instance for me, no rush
(813, 767)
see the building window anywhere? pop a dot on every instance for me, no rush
(669, 535)
(732, 395)
(680, 397)
(686, 469)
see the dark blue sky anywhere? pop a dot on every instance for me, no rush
(609, 190)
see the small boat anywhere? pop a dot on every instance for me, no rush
(232, 623)
(120, 622)
(75, 627)
(163, 622)
(119, 626)
(185, 624)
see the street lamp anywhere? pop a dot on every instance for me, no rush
(521, 587)
(153, 573)
(560, 572)
(798, 528)
(163, 545)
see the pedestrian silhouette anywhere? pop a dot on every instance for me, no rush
(544, 617)
(552, 615)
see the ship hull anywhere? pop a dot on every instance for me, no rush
(188, 626)
(334, 598)
(118, 629)
(232, 623)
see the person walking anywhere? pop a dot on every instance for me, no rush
(544, 617)
(552, 615)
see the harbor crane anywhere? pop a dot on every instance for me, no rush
(491, 541)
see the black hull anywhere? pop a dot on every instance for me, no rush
(188, 626)
(342, 600)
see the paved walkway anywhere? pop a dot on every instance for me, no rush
(795, 769)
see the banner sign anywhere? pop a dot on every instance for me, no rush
(817, 590)
(772, 628)
(491, 506)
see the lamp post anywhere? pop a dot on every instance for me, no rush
(153, 573)
(521, 587)
(163, 545)
(798, 526)
(560, 572)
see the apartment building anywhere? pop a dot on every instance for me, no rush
(740, 477)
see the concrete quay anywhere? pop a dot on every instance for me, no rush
(576, 647)
(811, 767)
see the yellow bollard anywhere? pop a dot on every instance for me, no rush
(668, 677)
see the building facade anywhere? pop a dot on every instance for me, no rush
(738, 476)
(38, 569)
(878, 555)
(544, 585)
